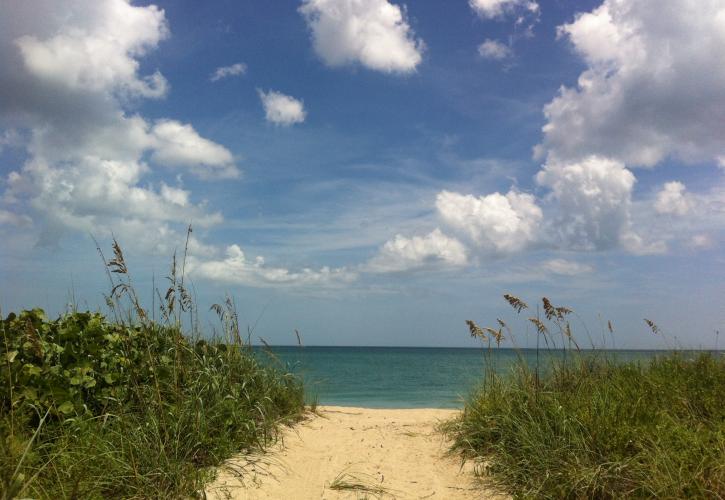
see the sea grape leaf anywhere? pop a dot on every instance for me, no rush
(66, 408)
(32, 369)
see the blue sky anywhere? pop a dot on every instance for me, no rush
(372, 172)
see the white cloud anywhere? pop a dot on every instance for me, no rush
(636, 244)
(402, 254)
(69, 80)
(496, 8)
(236, 269)
(94, 194)
(653, 88)
(673, 199)
(235, 69)
(495, 50)
(69, 77)
(99, 52)
(691, 219)
(174, 195)
(593, 200)
(282, 109)
(701, 241)
(495, 223)
(654, 85)
(373, 33)
(566, 267)
(178, 144)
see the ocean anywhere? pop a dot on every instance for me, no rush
(402, 377)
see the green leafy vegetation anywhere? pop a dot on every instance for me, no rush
(92, 408)
(588, 426)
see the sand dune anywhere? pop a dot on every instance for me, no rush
(388, 453)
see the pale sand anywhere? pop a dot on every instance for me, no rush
(399, 451)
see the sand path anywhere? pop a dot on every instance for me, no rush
(392, 453)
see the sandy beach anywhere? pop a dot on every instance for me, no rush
(392, 453)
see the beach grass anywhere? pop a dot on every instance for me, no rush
(364, 484)
(128, 407)
(585, 425)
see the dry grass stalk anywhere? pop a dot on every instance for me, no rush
(361, 483)
(570, 336)
(652, 326)
(476, 331)
(552, 312)
(540, 326)
(515, 302)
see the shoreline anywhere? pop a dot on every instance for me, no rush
(401, 408)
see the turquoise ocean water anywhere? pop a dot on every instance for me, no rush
(401, 377)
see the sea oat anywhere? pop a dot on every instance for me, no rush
(540, 326)
(549, 310)
(562, 311)
(567, 332)
(515, 302)
(652, 326)
(475, 330)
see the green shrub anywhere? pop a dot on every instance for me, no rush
(128, 411)
(91, 408)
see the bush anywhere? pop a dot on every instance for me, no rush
(127, 411)
(91, 408)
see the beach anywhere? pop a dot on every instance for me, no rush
(368, 453)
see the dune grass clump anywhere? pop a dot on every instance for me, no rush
(588, 426)
(364, 484)
(131, 407)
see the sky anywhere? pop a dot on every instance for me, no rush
(372, 172)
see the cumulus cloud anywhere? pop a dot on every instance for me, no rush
(236, 268)
(673, 199)
(235, 69)
(374, 33)
(654, 85)
(282, 109)
(653, 88)
(566, 267)
(496, 8)
(403, 254)
(495, 223)
(593, 199)
(635, 105)
(495, 50)
(99, 52)
(178, 145)
(79, 64)
(684, 218)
